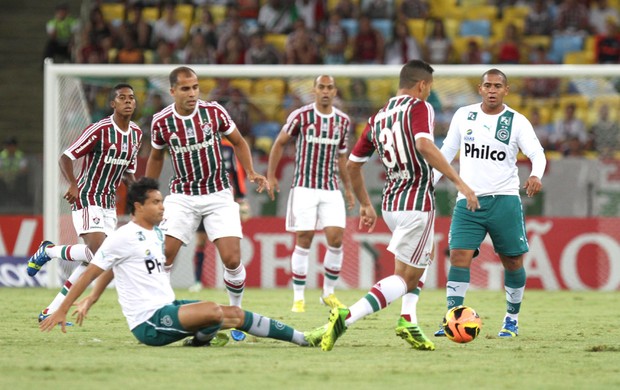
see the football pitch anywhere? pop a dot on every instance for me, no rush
(567, 340)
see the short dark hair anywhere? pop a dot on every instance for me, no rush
(414, 71)
(117, 88)
(138, 192)
(495, 71)
(174, 75)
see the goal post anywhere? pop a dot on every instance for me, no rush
(67, 111)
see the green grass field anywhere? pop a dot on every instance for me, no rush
(568, 340)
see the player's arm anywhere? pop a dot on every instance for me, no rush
(368, 215)
(275, 155)
(60, 315)
(433, 156)
(346, 181)
(531, 147)
(242, 151)
(155, 163)
(450, 147)
(66, 167)
(128, 178)
(85, 304)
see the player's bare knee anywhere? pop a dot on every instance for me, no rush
(213, 312)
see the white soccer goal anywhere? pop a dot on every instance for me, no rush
(71, 89)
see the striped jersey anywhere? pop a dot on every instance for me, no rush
(108, 152)
(392, 133)
(194, 145)
(319, 141)
(489, 146)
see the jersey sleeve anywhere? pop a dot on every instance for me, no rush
(225, 121)
(527, 140)
(452, 143)
(531, 147)
(85, 143)
(157, 136)
(110, 252)
(344, 141)
(364, 147)
(422, 120)
(133, 164)
(292, 125)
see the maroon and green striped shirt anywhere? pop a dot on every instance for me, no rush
(107, 154)
(319, 141)
(392, 133)
(194, 145)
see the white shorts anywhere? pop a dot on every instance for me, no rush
(412, 236)
(309, 209)
(94, 219)
(219, 213)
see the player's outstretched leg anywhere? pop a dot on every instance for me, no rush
(336, 327)
(314, 337)
(39, 259)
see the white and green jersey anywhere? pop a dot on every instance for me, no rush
(137, 257)
(489, 145)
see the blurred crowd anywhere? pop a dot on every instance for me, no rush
(361, 32)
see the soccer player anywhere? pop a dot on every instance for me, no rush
(402, 135)
(108, 150)
(489, 136)
(192, 129)
(315, 201)
(136, 254)
(237, 178)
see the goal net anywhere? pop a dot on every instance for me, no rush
(77, 95)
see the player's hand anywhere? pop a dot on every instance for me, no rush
(472, 200)
(54, 319)
(368, 218)
(532, 186)
(260, 180)
(349, 199)
(274, 187)
(71, 195)
(82, 308)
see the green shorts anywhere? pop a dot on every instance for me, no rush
(163, 327)
(499, 215)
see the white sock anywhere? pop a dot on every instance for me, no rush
(410, 301)
(384, 292)
(65, 289)
(234, 279)
(299, 268)
(332, 263)
(77, 252)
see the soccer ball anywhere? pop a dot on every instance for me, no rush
(462, 324)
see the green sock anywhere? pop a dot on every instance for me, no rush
(514, 283)
(457, 285)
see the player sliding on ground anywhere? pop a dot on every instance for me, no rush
(135, 252)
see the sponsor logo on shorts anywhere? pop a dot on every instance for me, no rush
(166, 320)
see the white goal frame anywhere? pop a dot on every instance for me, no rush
(53, 72)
